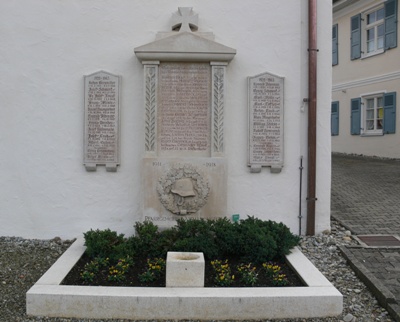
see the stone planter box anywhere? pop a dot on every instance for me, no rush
(48, 298)
(185, 269)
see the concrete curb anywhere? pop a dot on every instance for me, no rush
(381, 292)
(48, 298)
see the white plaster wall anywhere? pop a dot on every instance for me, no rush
(46, 48)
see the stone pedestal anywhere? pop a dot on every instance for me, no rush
(185, 269)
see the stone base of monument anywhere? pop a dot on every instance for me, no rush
(319, 298)
(185, 269)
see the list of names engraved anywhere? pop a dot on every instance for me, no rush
(266, 120)
(184, 110)
(101, 118)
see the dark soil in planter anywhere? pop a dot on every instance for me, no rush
(140, 266)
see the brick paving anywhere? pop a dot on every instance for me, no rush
(366, 200)
(366, 194)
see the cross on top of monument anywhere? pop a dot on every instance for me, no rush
(186, 20)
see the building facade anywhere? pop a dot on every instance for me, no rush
(48, 47)
(366, 78)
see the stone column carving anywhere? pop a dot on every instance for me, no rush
(150, 103)
(217, 104)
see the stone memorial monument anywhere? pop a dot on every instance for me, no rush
(101, 138)
(265, 95)
(184, 168)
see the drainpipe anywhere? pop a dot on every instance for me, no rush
(312, 114)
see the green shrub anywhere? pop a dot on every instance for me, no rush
(195, 235)
(104, 244)
(149, 242)
(255, 243)
(252, 240)
(285, 240)
(226, 234)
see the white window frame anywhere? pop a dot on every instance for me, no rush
(364, 98)
(365, 28)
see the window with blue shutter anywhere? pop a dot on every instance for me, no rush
(355, 122)
(390, 24)
(355, 37)
(389, 113)
(335, 58)
(335, 118)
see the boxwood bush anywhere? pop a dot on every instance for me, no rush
(251, 239)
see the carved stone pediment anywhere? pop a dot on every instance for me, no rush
(185, 46)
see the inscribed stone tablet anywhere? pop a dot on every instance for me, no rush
(265, 93)
(184, 111)
(101, 121)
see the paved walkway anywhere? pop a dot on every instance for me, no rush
(366, 200)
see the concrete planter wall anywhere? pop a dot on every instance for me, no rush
(48, 298)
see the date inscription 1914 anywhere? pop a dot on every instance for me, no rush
(101, 118)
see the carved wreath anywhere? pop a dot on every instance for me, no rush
(183, 189)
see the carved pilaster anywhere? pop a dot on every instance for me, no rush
(218, 104)
(150, 103)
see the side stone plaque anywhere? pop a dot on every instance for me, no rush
(101, 137)
(265, 95)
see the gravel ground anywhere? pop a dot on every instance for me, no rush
(23, 261)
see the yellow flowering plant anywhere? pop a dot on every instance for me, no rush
(273, 270)
(248, 273)
(116, 273)
(222, 273)
(92, 268)
(155, 270)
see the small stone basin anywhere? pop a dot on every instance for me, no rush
(187, 257)
(185, 269)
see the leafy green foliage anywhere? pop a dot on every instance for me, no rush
(226, 235)
(255, 242)
(104, 244)
(281, 233)
(248, 274)
(92, 268)
(252, 240)
(222, 272)
(117, 272)
(195, 235)
(273, 271)
(154, 271)
(149, 242)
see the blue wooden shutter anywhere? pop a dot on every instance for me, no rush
(335, 118)
(355, 122)
(355, 45)
(335, 58)
(389, 113)
(390, 24)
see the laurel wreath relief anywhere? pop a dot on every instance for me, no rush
(198, 185)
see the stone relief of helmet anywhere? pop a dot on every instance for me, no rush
(183, 187)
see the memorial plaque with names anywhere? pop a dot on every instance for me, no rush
(265, 94)
(101, 141)
(184, 110)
